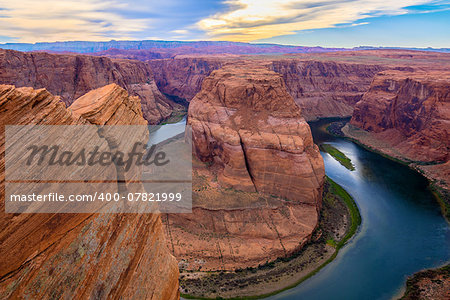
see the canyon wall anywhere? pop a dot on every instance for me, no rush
(82, 256)
(71, 76)
(183, 77)
(325, 88)
(407, 115)
(259, 176)
(320, 88)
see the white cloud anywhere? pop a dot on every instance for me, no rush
(57, 20)
(249, 20)
(180, 31)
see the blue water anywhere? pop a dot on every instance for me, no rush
(166, 131)
(402, 228)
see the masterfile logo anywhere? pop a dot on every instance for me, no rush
(90, 168)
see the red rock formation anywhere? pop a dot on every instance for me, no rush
(71, 76)
(406, 115)
(183, 77)
(250, 132)
(411, 111)
(325, 89)
(323, 85)
(320, 88)
(80, 255)
(245, 121)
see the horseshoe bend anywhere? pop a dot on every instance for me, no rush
(228, 169)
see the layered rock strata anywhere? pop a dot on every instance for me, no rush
(320, 88)
(183, 77)
(71, 76)
(80, 255)
(259, 175)
(407, 115)
(326, 88)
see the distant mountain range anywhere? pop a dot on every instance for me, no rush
(211, 47)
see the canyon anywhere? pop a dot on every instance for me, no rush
(326, 89)
(405, 115)
(72, 255)
(320, 88)
(258, 175)
(323, 85)
(71, 76)
(398, 98)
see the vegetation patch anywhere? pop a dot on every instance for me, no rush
(443, 198)
(338, 155)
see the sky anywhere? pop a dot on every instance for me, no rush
(328, 23)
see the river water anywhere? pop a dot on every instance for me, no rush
(162, 132)
(402, 228)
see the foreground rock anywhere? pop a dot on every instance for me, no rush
(406, 115)
(259, 177)
(80, 255)
(71, 76)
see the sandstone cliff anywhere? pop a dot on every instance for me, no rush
(325, 88)
(258, 195)
(320, 88)
(406, 115)
(71, 76)
(183, 77)
(245, 121)
(80, 255)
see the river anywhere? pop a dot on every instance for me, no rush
(402, 229)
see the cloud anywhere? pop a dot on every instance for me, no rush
(249, 20)
(57, 20)
(180, 31)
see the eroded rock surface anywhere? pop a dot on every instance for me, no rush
(407, 115)
(261, 177)
(245, 121)
(326, 88)
(183, 77)
(71, 76)
(80, 255)
(320, 88)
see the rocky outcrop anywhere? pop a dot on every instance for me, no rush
(325, 88)
(71, 76)
(261, 178)
(183, 77)
(80, 255)
(406, 115)
(428, 284)
(245, 121)
(411, 111)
